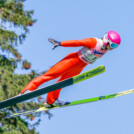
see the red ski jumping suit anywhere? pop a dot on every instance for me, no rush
(70, 66)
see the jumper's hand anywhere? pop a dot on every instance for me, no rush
(54, 42)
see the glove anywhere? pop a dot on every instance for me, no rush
(54, 42)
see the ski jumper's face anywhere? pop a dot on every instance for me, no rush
(108, 47)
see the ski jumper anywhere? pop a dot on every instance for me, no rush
(92, 49)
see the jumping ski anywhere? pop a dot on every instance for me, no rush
(58, 85)
(89, 100)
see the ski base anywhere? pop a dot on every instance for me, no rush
(89, 100)
(53, 87)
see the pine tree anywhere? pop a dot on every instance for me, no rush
(14, 17)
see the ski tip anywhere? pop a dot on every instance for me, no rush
(102, 67)
(91, 73)
(98, 70)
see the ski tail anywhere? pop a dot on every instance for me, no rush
(89, 100)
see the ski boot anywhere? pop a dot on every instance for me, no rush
(57, 103)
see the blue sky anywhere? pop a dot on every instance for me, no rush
(79, 19)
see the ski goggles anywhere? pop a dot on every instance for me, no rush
(112, 44)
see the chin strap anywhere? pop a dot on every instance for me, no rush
(104, 48)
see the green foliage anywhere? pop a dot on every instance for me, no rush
(10, 85)
(12, 14)
(13, 11)
(26, 64)
(15, 126)
(14, 17)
